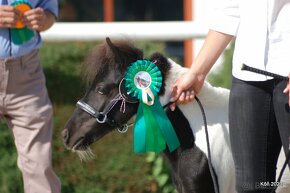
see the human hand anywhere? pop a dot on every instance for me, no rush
(287, 89)
(9, 16)
(38, 19)
(185, 89)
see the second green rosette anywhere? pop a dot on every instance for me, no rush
(152, 130)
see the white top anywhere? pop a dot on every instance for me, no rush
(262, 30)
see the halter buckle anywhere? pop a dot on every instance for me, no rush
(101, 117)
(123, 128)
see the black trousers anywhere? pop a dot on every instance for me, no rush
(259, 121)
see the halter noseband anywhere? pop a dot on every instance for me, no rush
(99, 116)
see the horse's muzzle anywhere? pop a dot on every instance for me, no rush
(65, 136)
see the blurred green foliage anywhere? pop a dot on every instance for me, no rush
(10, 177)
(160, 173)
(223, 75)
(115, 168)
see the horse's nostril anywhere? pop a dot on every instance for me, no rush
(65, 135)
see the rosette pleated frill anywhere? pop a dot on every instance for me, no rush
(152, 130)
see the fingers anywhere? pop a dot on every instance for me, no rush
(34, 13)
(183, 90)
(180, 97)
(35, 18)
(174, 97)
(186, 96)
(183, 98)
(7, 10)
(7, 22)
(9, 15)
(172, 106)
(190, 94)
(174, 93)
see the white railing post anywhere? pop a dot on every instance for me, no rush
(162, 31)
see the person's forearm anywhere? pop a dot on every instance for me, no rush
(49, 22)
(213, 47)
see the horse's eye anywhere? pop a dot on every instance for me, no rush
(101, 90)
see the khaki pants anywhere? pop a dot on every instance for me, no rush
(25, 105)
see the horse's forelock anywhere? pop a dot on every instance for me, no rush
(119, 58)
(125, 54)
(93, 64)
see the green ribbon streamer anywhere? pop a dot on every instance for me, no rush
(147, 138)
(152, 130)
(166, 126)
(20, 36)
(154, 139)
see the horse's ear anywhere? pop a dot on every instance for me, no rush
(164, 66)
(111, 45)
(116, 51)
(160, 60)
(124, 52)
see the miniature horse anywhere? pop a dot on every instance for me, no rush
(106, 67)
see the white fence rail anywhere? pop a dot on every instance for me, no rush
(88, 31)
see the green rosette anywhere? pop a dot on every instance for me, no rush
(21, 34)
(152, 130)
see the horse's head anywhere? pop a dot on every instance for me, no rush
(105, 105)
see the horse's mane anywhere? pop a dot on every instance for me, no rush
(117, 55)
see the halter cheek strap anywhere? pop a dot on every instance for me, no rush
(102, 116)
